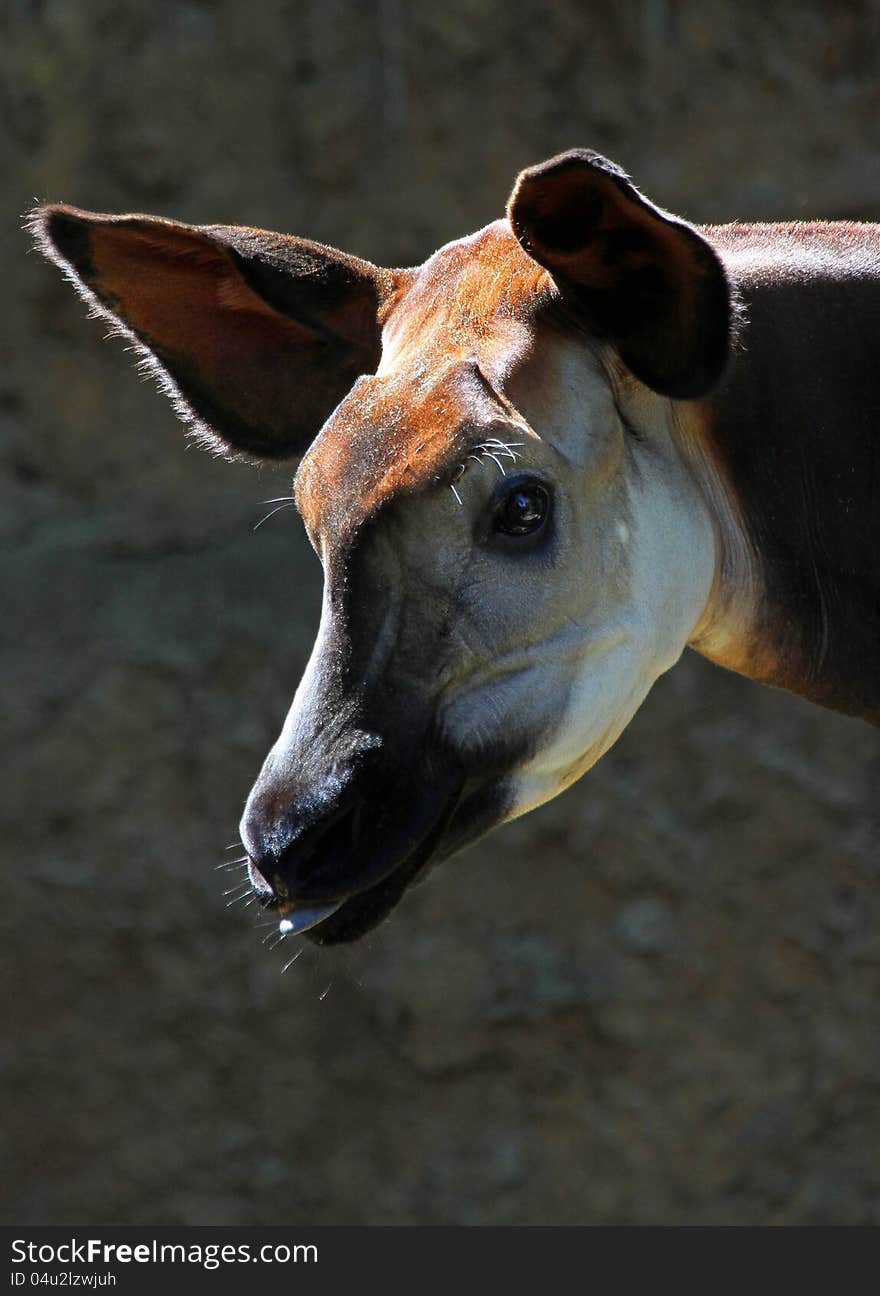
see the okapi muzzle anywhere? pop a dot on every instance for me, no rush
(358, 793)
(534, 468)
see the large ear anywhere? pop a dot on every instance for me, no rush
(645, 280)
(256, 336)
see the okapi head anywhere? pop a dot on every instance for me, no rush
(514, 544)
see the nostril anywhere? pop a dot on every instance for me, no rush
(306, 843)
(319, 862)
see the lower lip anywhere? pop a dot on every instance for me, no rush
(296, 921)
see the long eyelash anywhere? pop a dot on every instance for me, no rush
(508, 448)
(489, 449)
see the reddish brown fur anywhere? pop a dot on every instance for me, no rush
(453, 330)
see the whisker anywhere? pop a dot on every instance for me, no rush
(271, 514)
(291, 962)
(456, 494)
(323, 993)
(236, 887)
(238, 899)
(233, 845)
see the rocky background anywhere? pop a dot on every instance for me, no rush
(655, 1000)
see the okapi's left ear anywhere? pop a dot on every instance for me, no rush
(645, 280)
(256, 336)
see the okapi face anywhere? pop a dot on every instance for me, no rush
(508, 565)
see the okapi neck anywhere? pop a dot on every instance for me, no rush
(795, 432)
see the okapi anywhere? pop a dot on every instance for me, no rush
(535, 469)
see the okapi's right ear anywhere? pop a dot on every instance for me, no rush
(255, 336)
(644, 279)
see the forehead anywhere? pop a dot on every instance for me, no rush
(474, 296)
(456, 330)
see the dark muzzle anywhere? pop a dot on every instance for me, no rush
(346, 848)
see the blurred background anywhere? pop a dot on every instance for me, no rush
(654, 1001)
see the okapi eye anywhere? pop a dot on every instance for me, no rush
(523, 509)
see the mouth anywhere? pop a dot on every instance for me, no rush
(349, 917)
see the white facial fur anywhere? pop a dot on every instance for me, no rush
(637, 561)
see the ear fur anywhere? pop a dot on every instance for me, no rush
(255, 336)
(646, 280)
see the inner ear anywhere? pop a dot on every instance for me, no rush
(256, 336)
(646, 280)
